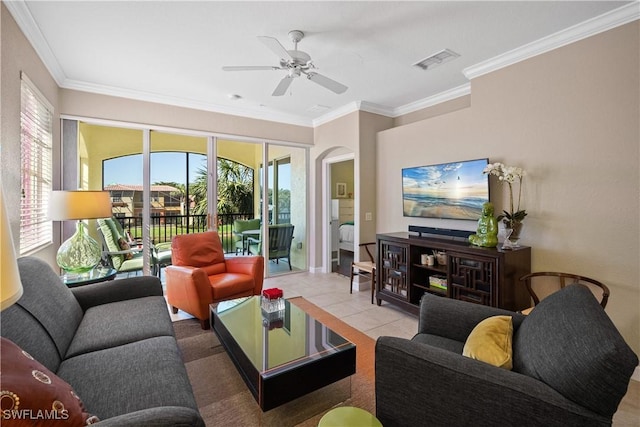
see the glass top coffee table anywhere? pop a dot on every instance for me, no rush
(281, 356)
(95, 275)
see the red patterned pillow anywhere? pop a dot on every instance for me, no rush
(124, 245)
(32, 395)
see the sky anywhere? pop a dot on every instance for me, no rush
(165, 167)
(457, 179)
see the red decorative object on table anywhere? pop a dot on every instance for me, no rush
(272, 293)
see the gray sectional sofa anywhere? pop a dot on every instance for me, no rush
(571, 367)
(113, 342)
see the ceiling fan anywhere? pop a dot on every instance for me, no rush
(295, 62)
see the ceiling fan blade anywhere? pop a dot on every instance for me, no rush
(282, 87)
(276, 47)
(326, 82)
(250, 68)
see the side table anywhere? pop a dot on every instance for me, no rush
(344, 416)
(98, 274)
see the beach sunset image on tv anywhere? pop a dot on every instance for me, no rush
(449, 190)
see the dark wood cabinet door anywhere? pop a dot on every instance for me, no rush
(393, 268)
(473, 279)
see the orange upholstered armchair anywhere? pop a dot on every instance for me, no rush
(200, 274)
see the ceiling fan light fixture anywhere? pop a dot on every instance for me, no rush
(436, 59)
(294, 72)
(295, 62)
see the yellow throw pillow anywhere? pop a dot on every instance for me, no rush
(490, 342)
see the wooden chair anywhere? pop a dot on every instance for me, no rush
(367, 268)
(549, 282)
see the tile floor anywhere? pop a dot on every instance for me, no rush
(331, 292)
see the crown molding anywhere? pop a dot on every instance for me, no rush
(374, 108)
(264, 114)
(337, 113)
(439, 98)
(382, 110)
(22, 15)
(620, 16)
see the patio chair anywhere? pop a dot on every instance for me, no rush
(239, 227)
(280, 238)
(126, 255)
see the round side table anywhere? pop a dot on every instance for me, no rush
(345, 416)
(94, 276)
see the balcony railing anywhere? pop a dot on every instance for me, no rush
(164, 227)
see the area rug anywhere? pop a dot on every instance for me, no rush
(222, 396)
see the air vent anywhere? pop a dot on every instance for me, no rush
(436, 59)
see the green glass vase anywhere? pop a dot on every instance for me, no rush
(80, 253)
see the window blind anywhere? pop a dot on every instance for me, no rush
(36, 152)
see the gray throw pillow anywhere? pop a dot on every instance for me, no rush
(569, 343)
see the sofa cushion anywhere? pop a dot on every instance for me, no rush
(122, 322)
(36, 393)
(490, 342)
(132, 377)
(569, 343)
(49, 301)
(15, 320)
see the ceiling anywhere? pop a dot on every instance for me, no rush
(173, 51)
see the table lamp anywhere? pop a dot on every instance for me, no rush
(80, 253)
(10, 284)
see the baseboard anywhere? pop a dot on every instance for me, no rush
(361, 283)
(636, 374)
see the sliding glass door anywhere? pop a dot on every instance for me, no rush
(286, 209)
(178, 186)
(162, 183)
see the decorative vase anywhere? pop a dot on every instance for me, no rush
(80, 253)
(512, 230)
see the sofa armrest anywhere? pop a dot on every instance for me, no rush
(117, 290)
(168, 416)
(456, 319)
(417, 384)
(251, 265)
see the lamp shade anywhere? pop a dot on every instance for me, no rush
(68, 205)
(10, 284)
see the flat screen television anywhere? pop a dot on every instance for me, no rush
(448, 190)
